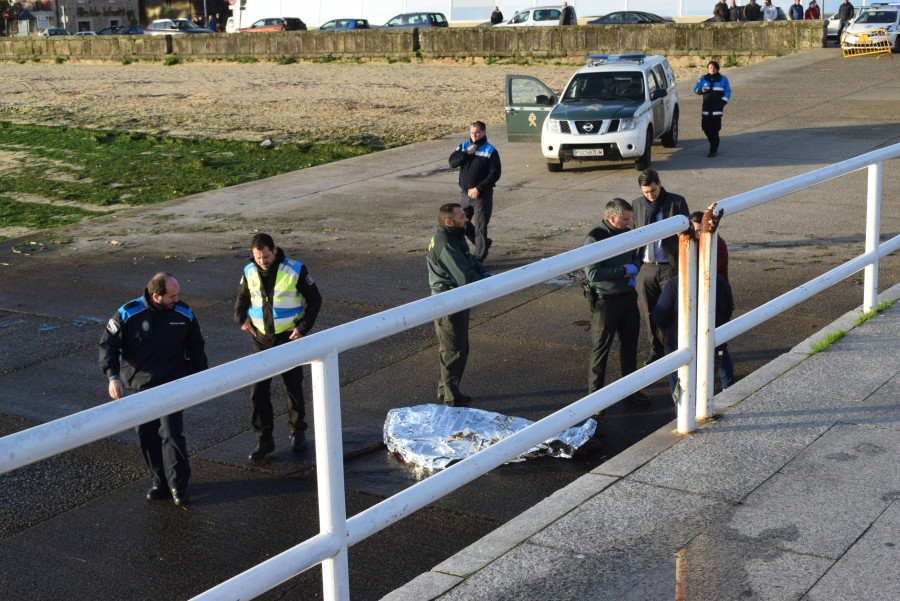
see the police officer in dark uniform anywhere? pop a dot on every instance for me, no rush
(150, 341)
(716, 92)
(451, 265)
(479, 170)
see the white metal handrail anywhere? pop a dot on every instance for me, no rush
(710, 337)
(321, 350)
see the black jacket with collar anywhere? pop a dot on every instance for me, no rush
(645, 213)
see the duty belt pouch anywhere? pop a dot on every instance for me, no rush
(589, 293)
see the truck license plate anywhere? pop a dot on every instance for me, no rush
(588, 152)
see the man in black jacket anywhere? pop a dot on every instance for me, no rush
(450, 265)
(277, 303)
(660, 259)
(150, 341)
(479, 170)
(614, 309)
(496, 16)
(844, 14)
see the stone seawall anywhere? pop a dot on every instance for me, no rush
(741, 40)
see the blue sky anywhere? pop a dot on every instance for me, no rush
(316, 12)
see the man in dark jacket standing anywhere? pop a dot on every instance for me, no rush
(660, 259)
(496, 16)
(150, 341)
(614, 309)
(567, 15)
(737, 12)
(450, 265)
(752, 11)
(277, 303)
(721, 12)
(716, 92)
(844, 14)
(479, 170)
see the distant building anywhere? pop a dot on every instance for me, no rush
(94, 15)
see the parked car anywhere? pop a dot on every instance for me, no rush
(869, 18)
(275, 24)
(129, 30)
(613, 108)
(420, 20)
(543, 16)
(343, 24)
(53, 31)
(84, 33)
(833, 22)
(109, 30)
(174, 27)
(630, 17)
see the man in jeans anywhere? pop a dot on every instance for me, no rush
(614, 308)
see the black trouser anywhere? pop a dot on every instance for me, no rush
(612, 315)
(478, 210)
(262, 415)
(165, 451)
(651, 279)
(453, 339)
(712, 125)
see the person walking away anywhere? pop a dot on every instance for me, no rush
(844, 14)
(277, 303)
(613, 298)
(567, 15)
(752, 11)
(153, 340)
(812, 13)
(659, 259)
(479, 170)
(496, 16)
(796, 11)
(716, 92)
(721, 12)
(451, 265)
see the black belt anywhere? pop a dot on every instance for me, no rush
(610, 296)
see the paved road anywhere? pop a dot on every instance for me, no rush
(362, 226)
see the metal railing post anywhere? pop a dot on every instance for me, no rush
(687, 331)
(326, 386)
(873, 232)
(706, 322)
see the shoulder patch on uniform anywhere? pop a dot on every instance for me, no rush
(309, 280)
(112, 326)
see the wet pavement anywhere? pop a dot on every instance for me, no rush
(76, 526)
(792, 493)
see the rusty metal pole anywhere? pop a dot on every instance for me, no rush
(706, 321)
(687, 331)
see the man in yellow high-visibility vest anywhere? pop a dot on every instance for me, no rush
(277, 303)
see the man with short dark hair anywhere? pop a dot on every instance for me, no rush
(660, 259)
(277, 303)
(795, 12)
(844, 14)
(752, 11)
(716, 92)
(614, 309)
(153, 340)
(769, 12)
(451, 265)
(479, 170)
(721, 12)
(737, 12)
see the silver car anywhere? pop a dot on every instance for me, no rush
(174, 27)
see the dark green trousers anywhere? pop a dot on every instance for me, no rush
(613, 316)
(453, 338)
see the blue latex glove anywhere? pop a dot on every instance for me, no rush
(632, 282)
(630, 269)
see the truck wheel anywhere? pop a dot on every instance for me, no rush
(554, 167)
(644, 161)
(670, 138)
